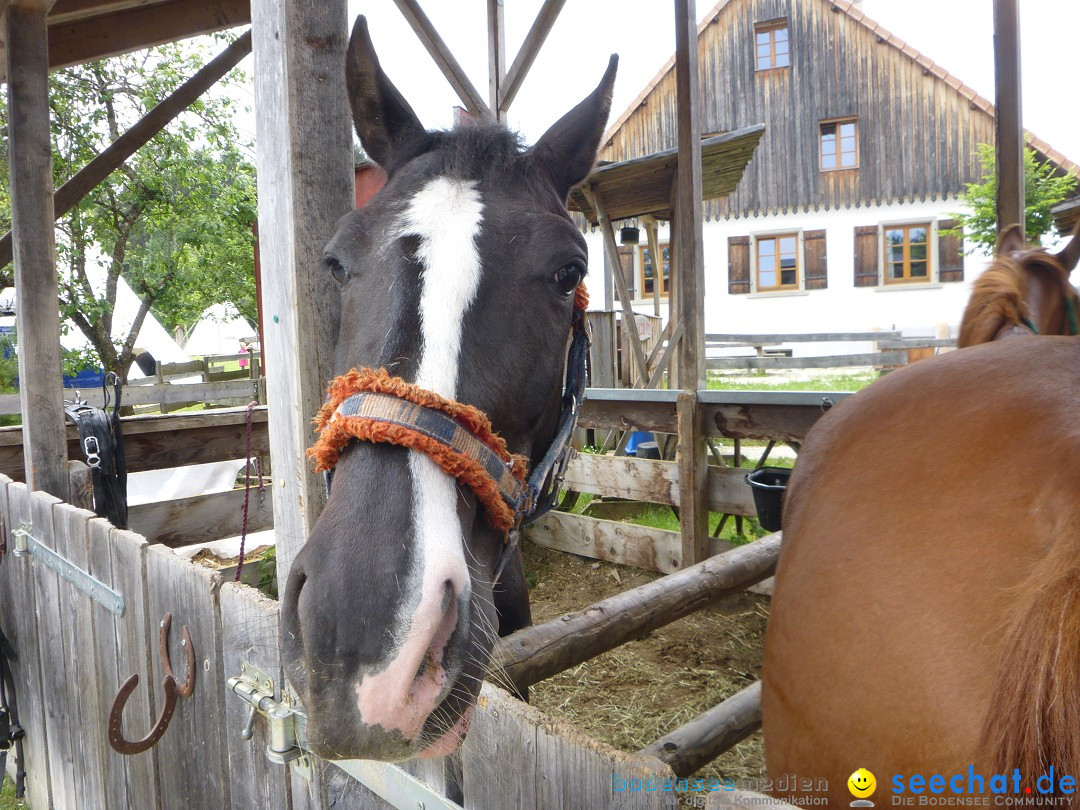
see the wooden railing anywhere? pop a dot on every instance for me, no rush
(892, 350)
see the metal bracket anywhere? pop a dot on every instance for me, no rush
(27, 544)
(287, 722)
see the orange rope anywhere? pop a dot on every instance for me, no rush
(336, 431)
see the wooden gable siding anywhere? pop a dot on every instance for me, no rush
(917, 135)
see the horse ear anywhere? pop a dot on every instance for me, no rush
(1070, 254)
(566, 152)
(383, 118)
(1009, 240)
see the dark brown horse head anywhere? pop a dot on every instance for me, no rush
(459, 278)
(1025, 291)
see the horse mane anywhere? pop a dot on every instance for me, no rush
(997, 296)
(1034, 715)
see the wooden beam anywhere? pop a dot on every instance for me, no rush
(142, 27)
(690, 286)
(875, 359)
(1008, 126)
(71, 10)
(696, 744)
(79, 185)
(429, 37)
(199, 519)
(538, 652)
(496, 53)
(305, 177)
(534, 40)
(612, 254)
(37, 313)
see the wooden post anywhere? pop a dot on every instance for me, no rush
(37, 311)
(1008, 125)
(687, 238)
(611, 253)
(693, 478)
(658, 263)
(305, 177)
(690, 290)
(496, 55)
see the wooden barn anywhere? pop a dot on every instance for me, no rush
(838, 223)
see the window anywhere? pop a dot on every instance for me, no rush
(907, 256)
(839, 145)
(777, 262)
(771, 45)
(648, 273)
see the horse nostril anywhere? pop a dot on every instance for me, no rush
(448, 595)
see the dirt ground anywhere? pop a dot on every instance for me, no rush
(635, 694)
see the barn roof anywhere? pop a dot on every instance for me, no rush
(885, 36)
(642, 186)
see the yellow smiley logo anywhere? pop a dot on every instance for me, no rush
(861, 783)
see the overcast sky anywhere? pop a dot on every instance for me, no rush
(957, 34)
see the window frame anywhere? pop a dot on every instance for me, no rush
(665, 279)
(837, 123)
(770, 27)
(931, 254)
(755, 262)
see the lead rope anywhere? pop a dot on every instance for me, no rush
(247, 487)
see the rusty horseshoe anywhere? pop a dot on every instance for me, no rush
(169, 686)
(116, 717)
(183, 690)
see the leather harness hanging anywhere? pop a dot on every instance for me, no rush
(102, 442)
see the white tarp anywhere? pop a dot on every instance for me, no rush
(219, 331)
(152, 336)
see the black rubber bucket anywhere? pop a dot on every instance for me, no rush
(768, 484)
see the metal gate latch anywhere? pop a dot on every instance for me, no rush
(287, 721)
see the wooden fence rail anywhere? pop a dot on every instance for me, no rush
(154, 442)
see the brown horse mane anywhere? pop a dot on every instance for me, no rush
(1032, 722)
(997, 296)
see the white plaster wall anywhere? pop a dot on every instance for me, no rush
(914, 309)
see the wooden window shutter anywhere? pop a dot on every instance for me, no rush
(738, 256)
(814, 253)
(866, 256)
(950, 253)
(626, 263)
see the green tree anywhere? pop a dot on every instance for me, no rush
(174, 221)
(1044, 188)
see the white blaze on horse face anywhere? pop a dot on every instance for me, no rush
(446, 216)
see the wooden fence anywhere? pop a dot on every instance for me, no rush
(782, 416)
(75, 647)
(216, 386)
(892, 350)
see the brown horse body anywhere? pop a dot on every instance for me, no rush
(926, 614)
(1025, 291)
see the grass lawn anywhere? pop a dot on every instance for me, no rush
(763, 381)
(7, 795)
(658, 516)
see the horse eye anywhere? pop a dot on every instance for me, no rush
(568, 277)
(340, 273)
